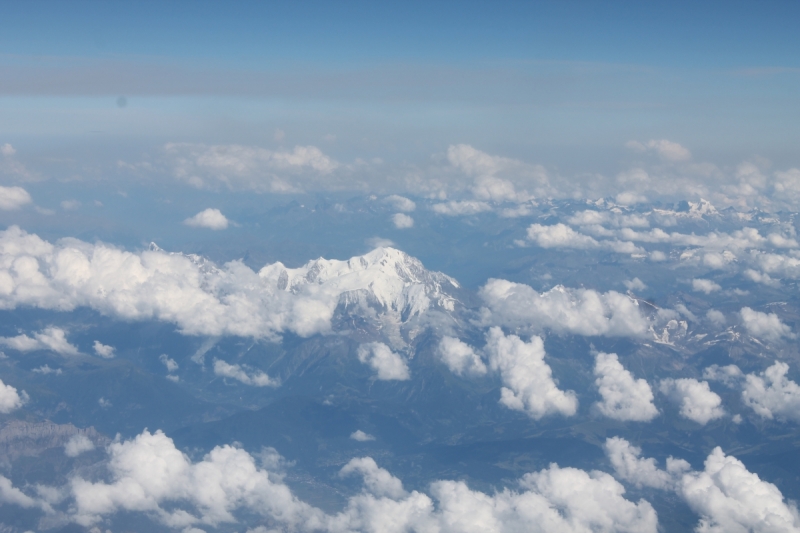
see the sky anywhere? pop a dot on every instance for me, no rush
(564, 84)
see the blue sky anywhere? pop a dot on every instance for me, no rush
(564, 84)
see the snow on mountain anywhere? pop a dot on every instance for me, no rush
(385, 286)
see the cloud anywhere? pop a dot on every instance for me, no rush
(12, 198)
(103, 350)
(168, 362)
(148, 474)
(400, 203)
(237, 372)
(387, 364)
(461, 208)
(561, 310)
(238, 167)
(771, 394)
(460, 358)
(360, 436)
(378, 482)
(208, 218)
(642, 472)
(70, 205)
(12, 495)
(705, 285)
(528, 380)
(696, 400)
(765, 326)
(634, 284)
(716, 317)
(78, 444)
(402, 221)
(729, 498)
(666, 150)
(52, 338)
(624, 398)
(10, 399)
(6, 150)
(562, 236)
(204, 299)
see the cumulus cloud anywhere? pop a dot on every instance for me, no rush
(528, 380)
(238, 167)
(562, 236)
(204, 299)
(148, 474)
(562, 310)
(12, 495)
(402, 221)
(239, 373)
(400, 203)
(10, 399)
(208, 218)
(771, 394)
(729, 498)
(764, 325)
(103, 350)
(716, 317)
(168, 362)
(642, 472)
(460, 357)
(695, 398)
(52, 338)
(455, 208)
(361, 436)
(705, 285)
(725, 494)
(12, 198)
(624, 397)
(387, 364)
(666, 150)
(635, 284)
(78, 444)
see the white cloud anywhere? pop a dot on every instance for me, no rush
(460, 358)
(103, 350)
(402, 221)
(70, 205)
(12, 198)
(10, 399)
(52, 338)
(624, 398)
(204, 299)
(78, 444)
(6, 150)
(400, 203)
(237, 372)
(765, 326)
(642, 472)
(705, 285)
(12, 495)
(45, 370)
(667, 150)
(695, 398)
(528, 380)
(461, 208)
(562, 236)
(171, 364)
(240, 167)
(148, 471)
(360, 436)
(377, 480)
(387, 364)
(716, 317)
(771, 394)
(148, 474)
(729, 498)
(209, 218)
(562, 310)
(635, 284)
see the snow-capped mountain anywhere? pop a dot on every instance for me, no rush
(383, 289)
